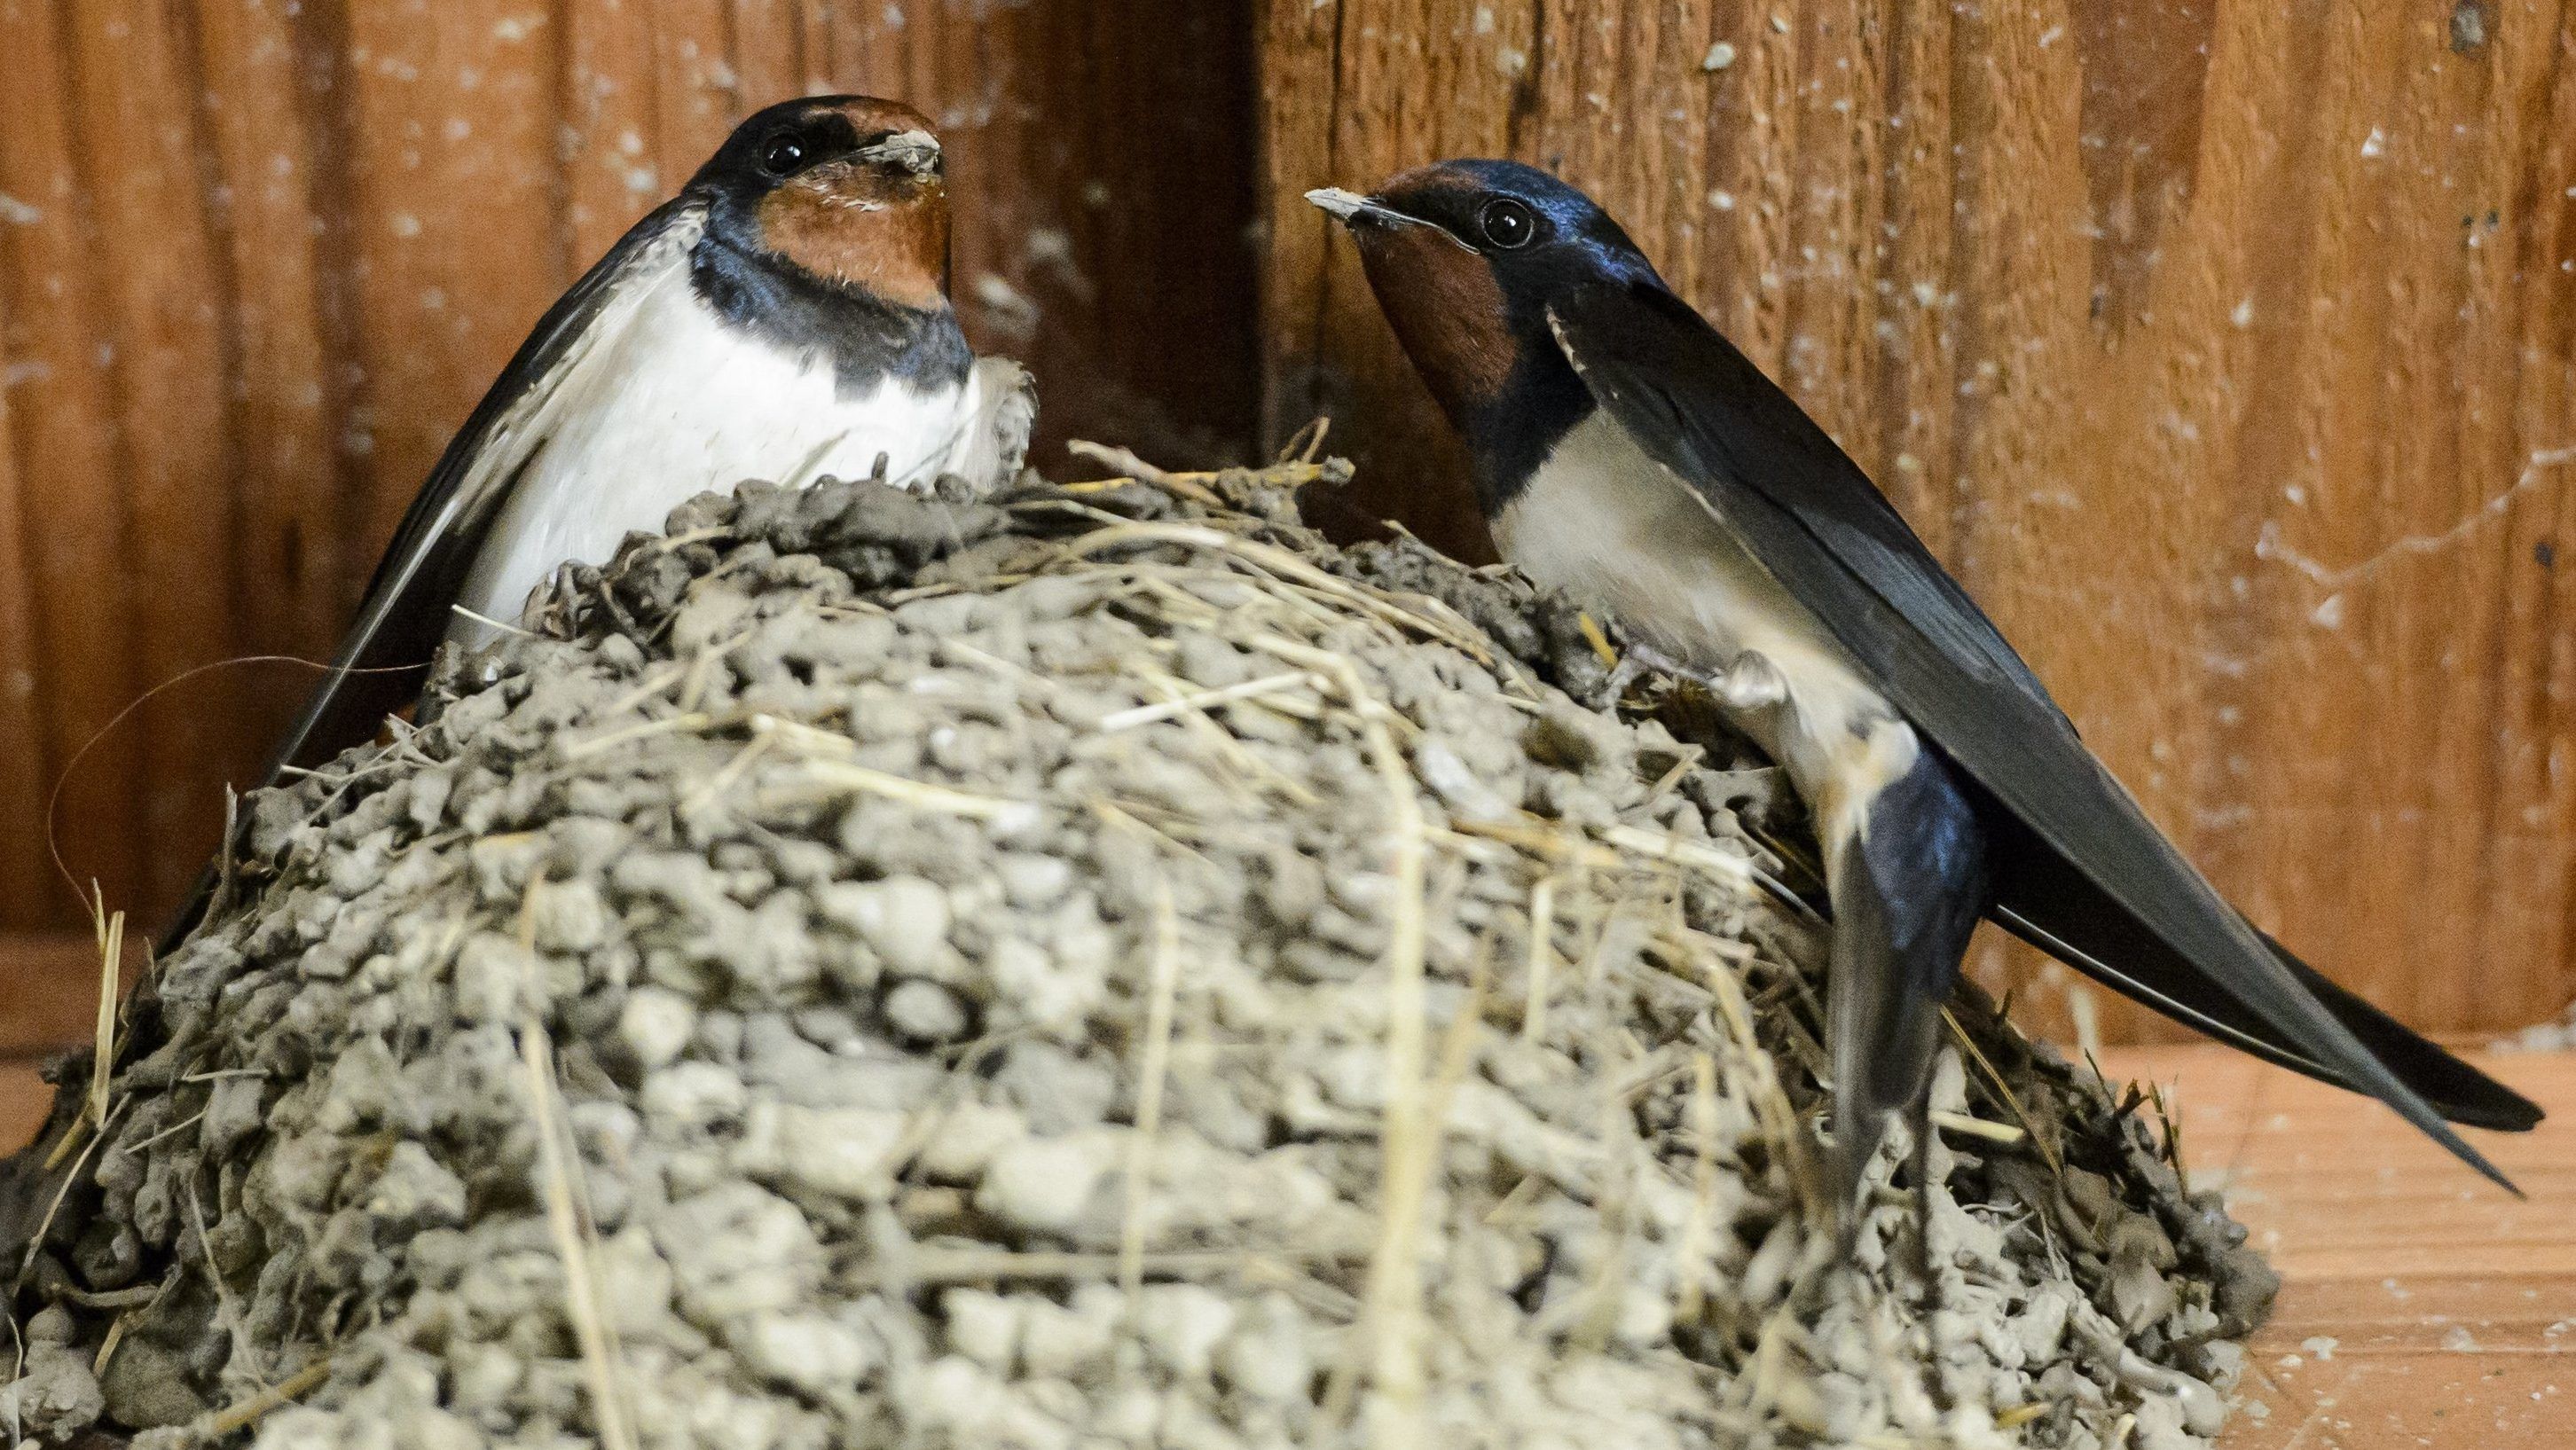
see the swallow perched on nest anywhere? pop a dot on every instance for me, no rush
(1627, 453)
(784, 318)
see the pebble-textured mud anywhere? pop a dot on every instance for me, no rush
(882, 971)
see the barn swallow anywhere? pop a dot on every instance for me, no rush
(1625, 452)
(785, 317)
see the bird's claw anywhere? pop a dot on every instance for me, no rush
(1638, 659)
(1751, 682)
(1622, 675)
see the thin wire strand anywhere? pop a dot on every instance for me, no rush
(63, 778)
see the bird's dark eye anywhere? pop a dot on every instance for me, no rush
(1507, 224)
(781, 155)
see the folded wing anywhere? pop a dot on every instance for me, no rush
(385, 654)
(2079, 868)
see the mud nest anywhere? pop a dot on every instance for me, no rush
(1095, 967)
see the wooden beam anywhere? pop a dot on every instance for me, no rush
(49, 991)
(2420, 1305)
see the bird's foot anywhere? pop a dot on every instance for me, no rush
(1638, 659)
(1622, 675)
(1749, 682)
(1752, 682)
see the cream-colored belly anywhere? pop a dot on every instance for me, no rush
(1609, 526)
(687, 405)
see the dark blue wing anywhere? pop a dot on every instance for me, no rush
(2079, 869)
(405, 612)
(385, 654)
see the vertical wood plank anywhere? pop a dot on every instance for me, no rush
(2223, 350)
(270, 319)
(459, 218)
(765, 47)
(23, 784)
(262, 83)
(611, 105)
(165, 293)
(648, 93)
(698, 95)
(61, 434)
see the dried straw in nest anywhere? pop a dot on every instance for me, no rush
(1092, 967)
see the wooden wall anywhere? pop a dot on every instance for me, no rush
(2227, 350)
(259, 257)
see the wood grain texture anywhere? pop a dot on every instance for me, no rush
(77, 667)
(2226, 350)
(50, 981)
(2420, 1306)
(258, 259)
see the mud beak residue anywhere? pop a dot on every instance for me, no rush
(913, 151)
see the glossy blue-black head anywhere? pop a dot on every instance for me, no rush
(1533, 231)
(1465, 258)
(846, 190)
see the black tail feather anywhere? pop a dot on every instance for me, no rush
(2458, 1091)
(2047, 902)
(1906, 892)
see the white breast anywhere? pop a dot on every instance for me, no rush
(678, 403)
(1611, 527)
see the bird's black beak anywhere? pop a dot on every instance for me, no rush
(1356, 210)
